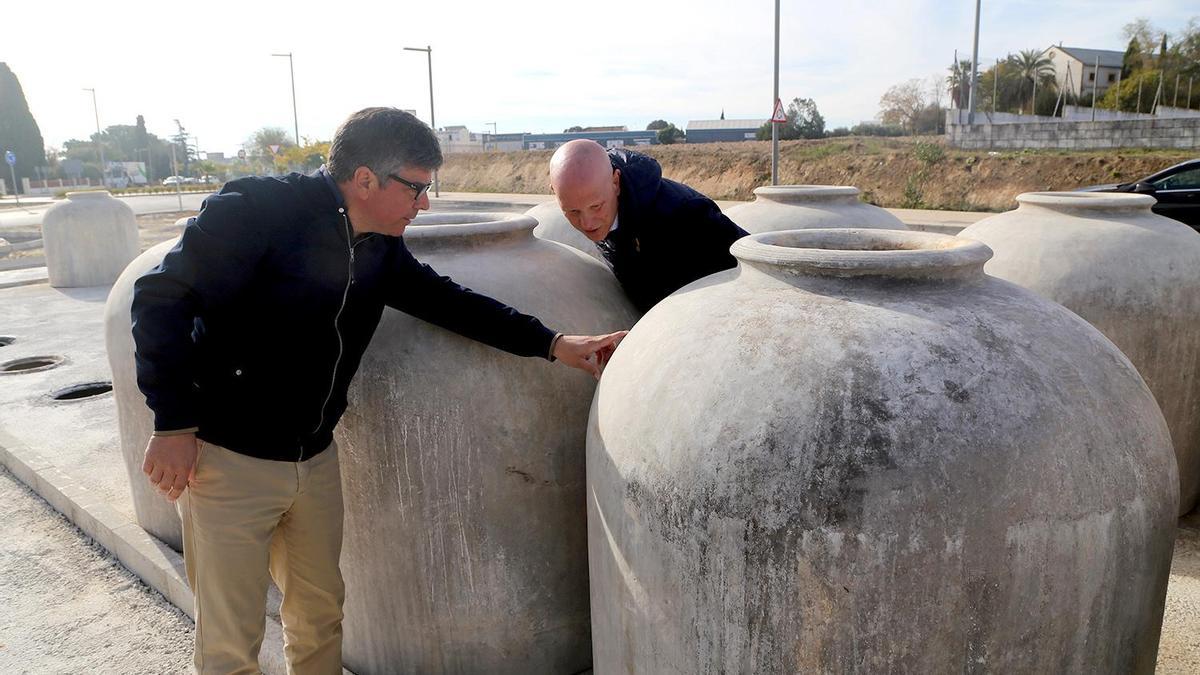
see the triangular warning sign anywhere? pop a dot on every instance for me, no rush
(274, 149)
(779, 116)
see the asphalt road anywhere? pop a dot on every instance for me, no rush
(141, 204)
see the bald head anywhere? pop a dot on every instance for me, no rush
(587, 187)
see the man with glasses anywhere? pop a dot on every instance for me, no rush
(657, 234)
(248, 335)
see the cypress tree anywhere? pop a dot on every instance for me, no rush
(18, 130)
(1132, 60)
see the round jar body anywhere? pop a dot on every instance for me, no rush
(463, 468)
(801, 207)
(1129, 272)
(155, 514)
(88, 239)
(886, 462)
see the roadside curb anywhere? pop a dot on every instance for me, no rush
(155, 563)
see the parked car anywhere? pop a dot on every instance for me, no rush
(1177, 190)
(173, 180)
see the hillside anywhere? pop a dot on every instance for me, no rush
(899, 173)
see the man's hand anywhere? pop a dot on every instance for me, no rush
(170, 462)
(588, 352)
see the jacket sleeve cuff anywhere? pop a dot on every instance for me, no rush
(175, 432)
(553, 344)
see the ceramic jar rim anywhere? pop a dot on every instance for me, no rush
(805, 192)
(430, 226)
(1086, 200)
(862, 252)
(89, 194)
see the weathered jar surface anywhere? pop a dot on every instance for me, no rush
(857, 453)
(1131, 273)
(802, 207)
(155, 514)
(554, 226)
(463, 468)
(89, 238)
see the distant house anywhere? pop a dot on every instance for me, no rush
(1076, 72)
(609, 139)
(458, 138)
(712, 131)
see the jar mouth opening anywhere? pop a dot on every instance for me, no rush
(1086, 200)
(863, 252)
(800, 192)
(463, 224)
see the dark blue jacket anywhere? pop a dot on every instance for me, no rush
(254, 324)
(668, 235)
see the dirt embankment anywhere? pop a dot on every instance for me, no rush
(898, 173)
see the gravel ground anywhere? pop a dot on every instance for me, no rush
(1179, 648)
(67, 606)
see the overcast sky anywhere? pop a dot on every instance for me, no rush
(536, 66)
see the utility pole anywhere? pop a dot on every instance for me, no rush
(99, 143)
(1095, 84)
(295, 119)
(175, 170)
(428, 49)
(774, 126)
(974, 69)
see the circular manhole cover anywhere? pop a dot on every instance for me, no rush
(30, 364)
(80, 391)
(6, 340)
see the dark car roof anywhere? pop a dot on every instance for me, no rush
(1182, 166)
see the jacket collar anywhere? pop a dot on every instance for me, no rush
(334, 190)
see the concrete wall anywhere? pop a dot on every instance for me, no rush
(1181, 133)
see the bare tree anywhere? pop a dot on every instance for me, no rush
(903, 104)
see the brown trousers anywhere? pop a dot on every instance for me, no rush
(243, 517)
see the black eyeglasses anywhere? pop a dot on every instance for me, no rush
(419, 188)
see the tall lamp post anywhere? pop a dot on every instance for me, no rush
(295, 119)
(774, 126)
(99, 144)
(975, 72)
(429, 53)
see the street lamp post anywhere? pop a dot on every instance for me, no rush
(975, 72)
(493, 125)
(99, 144)
(295, 119)
(774, 126)
(428, 49)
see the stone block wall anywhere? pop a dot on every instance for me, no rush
(1183, 133)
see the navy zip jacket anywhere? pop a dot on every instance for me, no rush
(668, 235)
(254, 324)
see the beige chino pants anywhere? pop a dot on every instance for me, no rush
(244, 517)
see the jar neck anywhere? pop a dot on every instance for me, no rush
(798, 255)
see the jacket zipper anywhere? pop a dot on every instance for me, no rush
(350, 244)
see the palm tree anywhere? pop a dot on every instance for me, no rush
(958, 82)
(1033, 68)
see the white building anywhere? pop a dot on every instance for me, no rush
(1076, 72)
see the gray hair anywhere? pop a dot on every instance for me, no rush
(385, 140)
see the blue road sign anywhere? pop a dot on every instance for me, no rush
(10, 157)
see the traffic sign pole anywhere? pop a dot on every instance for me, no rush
(12, 162)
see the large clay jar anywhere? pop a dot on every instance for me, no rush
(1132, 274)
(136, 422)
(801, 207)
(554, 226)
(857, 453)
(89, 239)
(463, 468)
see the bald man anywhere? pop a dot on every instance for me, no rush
(657, 234)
